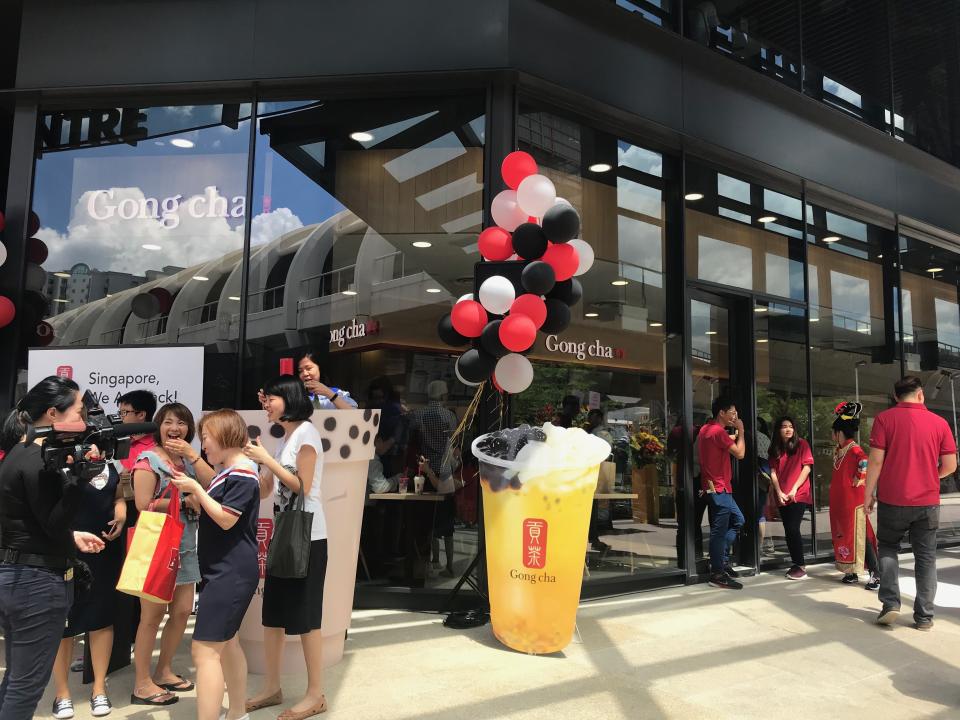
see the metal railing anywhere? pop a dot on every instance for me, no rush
(331, 282)
(268, 299)
(152, 327)
(200, 314)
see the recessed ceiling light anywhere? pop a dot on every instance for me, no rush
(600, 167)
(934, 269)
(763, 340)
(201, 278)
(591, 315)
(434, 290)
(767, 218)
(58, 300)
(710, 332)
(182, 143)
(361, 137)
(864, 330)
(831, 239)
(620, 283)
(422, 244)
(759, 309)
(349, 292)
(814, 319)
(656, 324)
(693, 196)
(62, 274)
(880, 256)
(148, 246)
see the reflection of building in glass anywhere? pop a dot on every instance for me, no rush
(69, 289)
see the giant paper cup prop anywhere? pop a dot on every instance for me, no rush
(538, 486)
(348, 448)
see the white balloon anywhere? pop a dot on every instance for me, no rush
(536, 194)
(562, 201)
(468, 296)
(506, 212)
(36, 278)
(497, 294)
(3, 253)
(585, 253)
(514, 373)
(456, 371)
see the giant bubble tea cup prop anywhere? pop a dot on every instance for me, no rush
(537, 483)
(538, 486)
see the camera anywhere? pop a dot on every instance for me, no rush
(66, 445)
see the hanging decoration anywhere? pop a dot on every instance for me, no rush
(536, 239)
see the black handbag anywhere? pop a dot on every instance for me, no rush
(289, 553)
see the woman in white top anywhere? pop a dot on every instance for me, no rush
(294, 606)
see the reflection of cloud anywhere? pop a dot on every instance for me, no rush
(724, 262)
(116, 244)
(183, 111)
(851, 296)
(639, 159)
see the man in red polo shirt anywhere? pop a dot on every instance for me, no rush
(911, 448)
(715, 445)
(136, 406)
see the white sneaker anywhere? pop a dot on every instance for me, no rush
(100, 705)
(62, 708)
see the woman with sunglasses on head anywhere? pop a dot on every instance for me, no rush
(791, 462)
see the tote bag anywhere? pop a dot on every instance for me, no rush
(289, 553)
(153, 552)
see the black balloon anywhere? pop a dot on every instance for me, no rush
(561, 223)
(529, 242)
(448, 334)
(476, 365)
(538, 278)
(490, 340)
(558, 316)
(569, 291)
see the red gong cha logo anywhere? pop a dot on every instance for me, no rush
(534, 543)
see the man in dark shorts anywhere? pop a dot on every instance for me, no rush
(911, 449)
(719, 438)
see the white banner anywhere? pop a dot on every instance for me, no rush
(173, 374)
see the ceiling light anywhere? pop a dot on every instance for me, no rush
(600, 167)
(234, 298)
(831, 239)
(619, 283)
(766, 218)
(762, 340)
(182, 143)
(710, 332)
(434, 290)
(349, 292)
(58, 300)
(62, 274)
(759, 309)
(656, 324)
(591, 315)
(361, 137)
(934, 269)
(422, 244)
(201, 278)
(148, 246)
(693, 196)
(814, 319)
(880, 256)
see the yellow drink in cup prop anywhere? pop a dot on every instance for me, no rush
(538, 486)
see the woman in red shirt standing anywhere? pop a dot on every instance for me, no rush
(790, 465)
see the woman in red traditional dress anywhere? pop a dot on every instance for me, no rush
(854, 543)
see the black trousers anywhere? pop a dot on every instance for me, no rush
(792, 516)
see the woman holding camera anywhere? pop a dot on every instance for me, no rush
(153, 471)
(37, 548)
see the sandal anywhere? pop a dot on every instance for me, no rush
(288, 714)
(177, 686)
(153, 699)
(270, 701)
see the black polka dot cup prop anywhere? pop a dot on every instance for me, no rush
(538, 485)
(537, 231)
(347, 442)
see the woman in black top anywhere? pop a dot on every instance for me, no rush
(37, 508)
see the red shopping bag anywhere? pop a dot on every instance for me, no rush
(153, 552)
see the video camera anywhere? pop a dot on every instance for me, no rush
(66, 445)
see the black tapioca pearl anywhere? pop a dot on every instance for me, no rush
(354, 432)
(325, 444)
(276, 431)
(344, 451)
(330, 424)
(366, 437)
(515, 484)
(376, 419)
(366, 414)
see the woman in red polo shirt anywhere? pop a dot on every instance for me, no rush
(790, 465)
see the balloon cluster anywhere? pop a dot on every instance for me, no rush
(538, 231)
(35, 303)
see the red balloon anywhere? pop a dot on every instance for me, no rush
(37, 251)
(468, 318)
(517, 166)
(7, 311)
(164, 297)
(517, 332)
(33, 223)
(532, 306)
(563, 258)
(495, 243)
(3, 222)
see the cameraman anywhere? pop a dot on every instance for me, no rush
(36, 548)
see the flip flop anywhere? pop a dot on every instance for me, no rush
(152, 699)
(177, 686)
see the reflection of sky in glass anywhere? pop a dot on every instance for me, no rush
(638, 158)
(846, 226)
(841, 91)
(723, 262)
(780, 204)
(908, 332)
(851, 300)
(638, 198)
(778, 271)
(699, 324)
(814, 285)
(734, 215)
(948, 322)
(732, 188)
(634, 7)
(639, 243)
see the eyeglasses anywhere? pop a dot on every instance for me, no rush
(124, 413)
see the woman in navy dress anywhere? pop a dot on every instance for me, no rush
(227, 547)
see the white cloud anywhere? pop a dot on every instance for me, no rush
(267, 227)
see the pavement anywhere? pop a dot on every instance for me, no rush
(777, 646)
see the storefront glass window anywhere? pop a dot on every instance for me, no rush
(606, 372)
(142, 212)
(364, 231)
